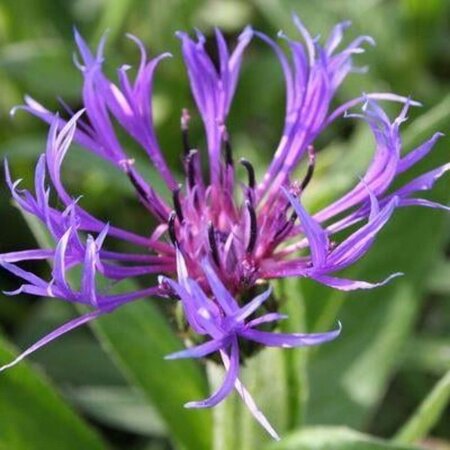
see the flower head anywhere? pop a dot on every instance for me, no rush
(215, 241)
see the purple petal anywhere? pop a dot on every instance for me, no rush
(417, 154)
(383, 167)
(357, 244)
(344, 284)
(113, 301)
(386, 96)
(423, 202)
(59, 265)
(221, 294)
(317, 237)
(335, 37)
(249, 402)
(27, 276)
(200, 350)
(286, 340)
(189, 306)
(252, 306)
(26, 255)
(88, 287)
(227, 385)
(423, 182)
(266, 318)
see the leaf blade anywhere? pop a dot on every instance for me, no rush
(34, 417)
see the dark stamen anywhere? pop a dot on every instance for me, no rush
(293, 217)
(144, 196)
(190, 162)
(136, 184)
(287, 225)
(228, 149)
(213, 243)
(250, 172)
(177, 204)
(310, 170)
(253, 227)
(185, 118)
(171, 228)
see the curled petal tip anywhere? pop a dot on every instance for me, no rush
(12, 293)
(412, 102)
(8, 366)
(247, 33)
(370, 40)
(395, 275)
(14, 109)
(192, 405)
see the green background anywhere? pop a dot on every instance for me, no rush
(108, 387)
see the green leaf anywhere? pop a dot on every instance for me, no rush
(439, 281)
(295, 360)
(428, 354)
(333, 438)
(34, 417)
(119, 407)
(427, 414)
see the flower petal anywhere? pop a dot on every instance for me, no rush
(317, 237)
(249, 402)
(200, 350)
(344, 284)
(228, 383)
(252, 306)
(286, 340)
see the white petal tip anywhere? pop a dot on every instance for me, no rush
(191, 405)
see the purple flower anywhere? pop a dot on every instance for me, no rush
(220, 246)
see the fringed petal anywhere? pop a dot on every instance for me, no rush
(344, 284)
(291, 340)
(317, 237)
(232, 373)
(201, 350)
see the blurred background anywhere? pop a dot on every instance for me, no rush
(78, 393)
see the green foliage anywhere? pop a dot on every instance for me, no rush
(34, 416)
(333, 438)
(395, 344)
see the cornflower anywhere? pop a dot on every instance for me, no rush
(212, 248)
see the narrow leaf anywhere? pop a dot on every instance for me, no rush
(34, 416)
(333, 438)
(427, 414)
